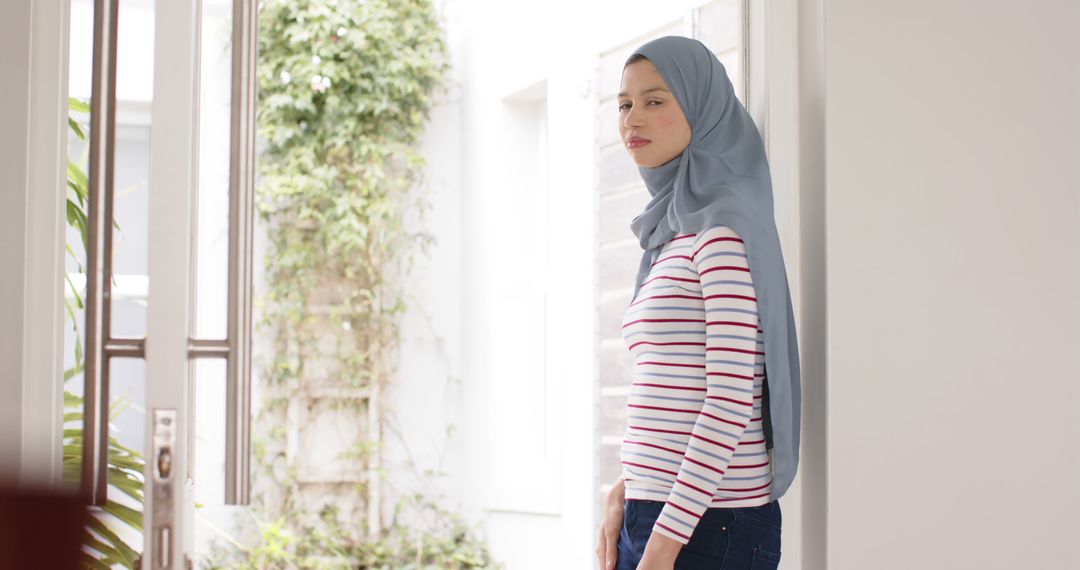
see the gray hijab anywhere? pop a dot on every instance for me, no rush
(722, 178)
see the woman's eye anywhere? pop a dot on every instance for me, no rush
(624, 105)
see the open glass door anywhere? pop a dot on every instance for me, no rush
(191, 163)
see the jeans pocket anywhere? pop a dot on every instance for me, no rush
(708, 539)
(766, 516)
(764, 559)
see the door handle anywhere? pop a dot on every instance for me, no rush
(100, 345)
(161, 485)
(241, 222)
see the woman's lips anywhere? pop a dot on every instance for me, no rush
(637, 142)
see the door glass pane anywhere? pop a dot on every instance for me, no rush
(116, 532)
(218, 526)
(127, 395)
(212, 269)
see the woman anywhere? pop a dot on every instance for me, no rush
(710, 442)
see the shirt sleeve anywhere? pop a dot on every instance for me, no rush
(731, 326)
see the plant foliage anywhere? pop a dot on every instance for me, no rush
(344, 91)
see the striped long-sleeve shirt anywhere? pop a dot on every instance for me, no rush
(694, 436)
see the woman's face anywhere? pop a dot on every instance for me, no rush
(648, 110)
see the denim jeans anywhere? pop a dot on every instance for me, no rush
(735, 538)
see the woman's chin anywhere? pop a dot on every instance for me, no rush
(643, 161)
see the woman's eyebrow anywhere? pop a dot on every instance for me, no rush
(649, 90)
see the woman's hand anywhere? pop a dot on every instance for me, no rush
(610, 525)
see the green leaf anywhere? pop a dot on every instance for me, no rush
(76, 128)
(90, 562)
(80, 181)
(119, 550)
(78, 105)
(72, 400)
(127, 514)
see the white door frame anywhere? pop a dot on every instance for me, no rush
(41, 408)
(168, 504)
(774, 71)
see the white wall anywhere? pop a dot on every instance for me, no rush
(953, 215)
(457, 346)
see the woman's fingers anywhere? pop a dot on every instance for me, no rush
(612, 551)
(607, 548)
(607, 551)
(601, 550)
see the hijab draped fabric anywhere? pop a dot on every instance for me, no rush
(722, 178)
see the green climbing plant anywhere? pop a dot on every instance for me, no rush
(345, 89)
